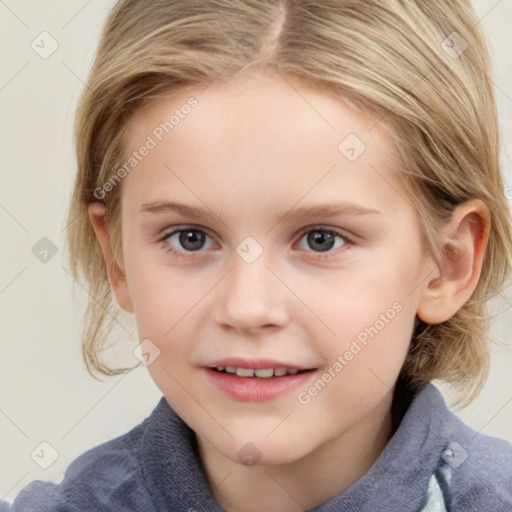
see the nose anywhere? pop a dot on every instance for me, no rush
(252, 299)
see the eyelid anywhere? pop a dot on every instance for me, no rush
(181, 254)
(322, 227)
(349, 240)
(182, 227)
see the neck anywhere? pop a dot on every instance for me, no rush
(304, 483)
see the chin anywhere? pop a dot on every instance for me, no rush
(264, 453)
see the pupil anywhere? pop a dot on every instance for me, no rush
(321, 239)
(191, 240)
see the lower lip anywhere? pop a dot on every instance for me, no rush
(255, 389)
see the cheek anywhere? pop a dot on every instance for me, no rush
(169, 308)
(349, 302)
(367, 319)
(161, 295)
(363, 362)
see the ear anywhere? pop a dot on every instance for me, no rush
(116, 275)
(464, 241)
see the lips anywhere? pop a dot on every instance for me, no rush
(264, 373)
(239, 362)
(256, 380)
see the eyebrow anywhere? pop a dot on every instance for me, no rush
(157, 207)
(329, 210)
(303, 212)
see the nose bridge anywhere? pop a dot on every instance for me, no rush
(251, 296)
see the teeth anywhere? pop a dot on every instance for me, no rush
(264, 373)
(245, 372)
(267, 372)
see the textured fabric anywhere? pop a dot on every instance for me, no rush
(436, 501)
(433, 463)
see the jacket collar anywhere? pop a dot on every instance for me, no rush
(398, 480)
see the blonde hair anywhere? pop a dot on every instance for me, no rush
(421, 67)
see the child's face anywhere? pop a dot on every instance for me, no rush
(259, 286)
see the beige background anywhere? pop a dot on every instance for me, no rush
(45, 393)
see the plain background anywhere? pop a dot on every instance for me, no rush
(46, 394)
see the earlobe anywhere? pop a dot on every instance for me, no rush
(116, 275)
(463, 244)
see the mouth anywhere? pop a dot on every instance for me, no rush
(262, 373)
(256, 381)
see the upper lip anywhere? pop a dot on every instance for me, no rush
(255, 364)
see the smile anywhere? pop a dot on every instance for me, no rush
(250, 380)
(264, 373)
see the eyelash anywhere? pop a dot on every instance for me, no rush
(348, 241)
(170, 249)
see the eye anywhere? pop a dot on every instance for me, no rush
(322, 240)
(187, 240)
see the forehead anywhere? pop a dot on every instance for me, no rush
(266, 131)
(264, 102)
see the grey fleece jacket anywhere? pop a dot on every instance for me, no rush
(433, 463)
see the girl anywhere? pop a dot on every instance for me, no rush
(301, 204)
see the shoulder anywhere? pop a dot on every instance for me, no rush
(481, 473)
(106, 477)
(477, 468)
